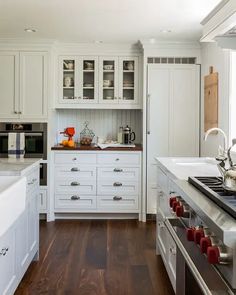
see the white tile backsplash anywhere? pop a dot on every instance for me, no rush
(104, 123)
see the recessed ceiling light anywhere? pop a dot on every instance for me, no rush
(28, 30)
(98, 41)
(165, 31)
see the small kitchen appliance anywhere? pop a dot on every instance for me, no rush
(128, 135)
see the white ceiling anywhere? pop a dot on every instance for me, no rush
(111, 21)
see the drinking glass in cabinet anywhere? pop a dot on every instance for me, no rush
(88, 79)
(68, 79)
(108, 79)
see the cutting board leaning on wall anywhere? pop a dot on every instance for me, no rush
(211, 100)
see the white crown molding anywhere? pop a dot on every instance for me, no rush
(214, 11)
(146, 44)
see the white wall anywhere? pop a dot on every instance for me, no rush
(214, 56)
(104, 123)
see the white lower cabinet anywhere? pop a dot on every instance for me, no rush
(97, 182)
(165, 243)
(8, 273)
(20, 244)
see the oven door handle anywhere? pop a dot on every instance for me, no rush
(187, 258)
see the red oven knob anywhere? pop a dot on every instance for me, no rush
(190, 234)
(174, 205)
(204, 244)
(171, 200)
(213, 254)
(198, 234)
(179, 211)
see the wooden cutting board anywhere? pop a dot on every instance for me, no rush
(211, 100)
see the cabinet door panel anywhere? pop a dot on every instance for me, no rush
(33, 221)
(7, 263)
(108, 80)
(184, 111)
(157, 125)
(128, 80)
(9, 84)
(33, 84)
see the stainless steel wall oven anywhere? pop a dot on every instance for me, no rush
(35, 142)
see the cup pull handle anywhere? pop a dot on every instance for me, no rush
(74, 183)
(117, 184)
(118, 170)
(74, 169)
(116, 198)
(75, 198)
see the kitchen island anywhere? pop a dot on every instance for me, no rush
(193, 232)
(19, 234)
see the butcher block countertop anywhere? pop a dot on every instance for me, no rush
(137, 148)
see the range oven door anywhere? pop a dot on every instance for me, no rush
(194, 275)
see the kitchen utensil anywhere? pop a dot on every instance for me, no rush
(86, 135)
(107, 83)
(69, 65)
(128, 135)
(88, 65)
(68, 81)
(108, 67)
(129, 65)
(229, 175)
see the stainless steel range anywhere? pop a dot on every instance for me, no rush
(204, 229)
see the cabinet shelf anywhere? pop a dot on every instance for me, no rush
(88, 87)
(108, 87)
(108, 71)
(68, 87)
(128, 71)
(88, 71)
(128, 88)
(68, 71)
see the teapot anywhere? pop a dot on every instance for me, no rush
(229, 175)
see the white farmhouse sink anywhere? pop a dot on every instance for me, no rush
(12, 200)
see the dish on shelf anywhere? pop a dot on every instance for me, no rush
(108, 67)
(68, 65)
(88, 66)
(88, 84)
(107, 83)
(109, 97)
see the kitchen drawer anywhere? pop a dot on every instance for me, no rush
(120, 203)
(118, 173)
(75, 185)
(118, 159)
(75, 201)
(75, 158)
(110, 187)
(78, 171)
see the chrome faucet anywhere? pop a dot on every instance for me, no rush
(222, 153)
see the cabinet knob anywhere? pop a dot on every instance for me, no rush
(19, 113)
(118, 170)
(116, 198)
(74, 159)
(15, 112)
(117, 159)
(74, 169)
(74, 183)
(117, 184)
(74, 198)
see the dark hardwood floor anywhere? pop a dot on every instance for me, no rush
(96, 257)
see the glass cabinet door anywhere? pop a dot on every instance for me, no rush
(128, 85)
(90, 80)
(67, 79)
(108, 84)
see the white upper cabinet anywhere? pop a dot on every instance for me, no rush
(108, 80)
(9, 84)
(23, 84)
(33, 85)
(101, 82)
(78, 79)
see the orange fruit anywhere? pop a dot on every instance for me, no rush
(64, 142)
(71, 143)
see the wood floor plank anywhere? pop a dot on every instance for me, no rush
(90, 257)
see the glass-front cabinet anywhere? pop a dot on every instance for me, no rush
(108, 80)
(78, 82)
(128, 80)
(93, 79)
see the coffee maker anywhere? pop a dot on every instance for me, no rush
(128, 135)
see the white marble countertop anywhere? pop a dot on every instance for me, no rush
(17, 167)
(182, 168)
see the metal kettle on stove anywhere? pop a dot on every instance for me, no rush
(228, 174)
